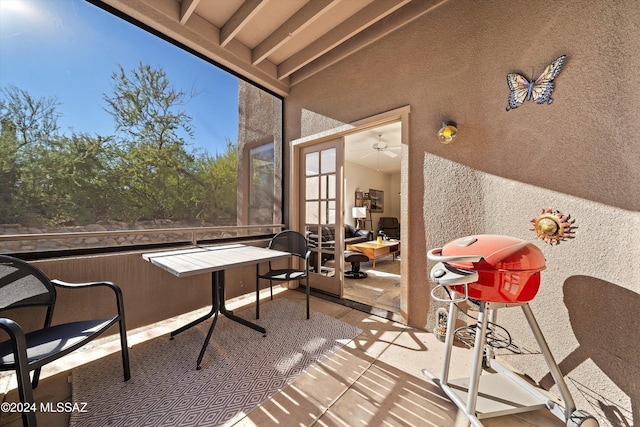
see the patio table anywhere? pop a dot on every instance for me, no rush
(214, 260)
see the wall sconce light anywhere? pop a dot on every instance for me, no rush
(447, 132)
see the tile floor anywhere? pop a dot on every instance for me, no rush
(375, 380)
(380, 289)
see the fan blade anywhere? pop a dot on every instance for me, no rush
(390, 153)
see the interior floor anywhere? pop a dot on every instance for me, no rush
(381, 287)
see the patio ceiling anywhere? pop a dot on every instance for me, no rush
(276, 43)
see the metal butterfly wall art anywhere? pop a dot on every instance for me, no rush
(540, 89)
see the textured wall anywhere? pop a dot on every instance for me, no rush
(580, 154)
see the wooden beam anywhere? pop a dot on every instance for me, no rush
(304, 17)
(203, 37)
(352, 26)
(406, 15)
(239, 19)
(187, 7)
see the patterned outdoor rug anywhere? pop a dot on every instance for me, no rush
(240, 370)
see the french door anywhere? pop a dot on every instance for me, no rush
(321, 212)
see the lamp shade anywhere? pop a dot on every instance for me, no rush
(359, 212)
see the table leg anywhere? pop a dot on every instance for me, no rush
(211, 313)
(257, 291)
(215, 280)
(217, 306)
(230, 315)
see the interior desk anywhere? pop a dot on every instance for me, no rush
(214, 260)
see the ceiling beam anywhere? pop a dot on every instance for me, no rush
(187, 7)
(393, 22)
(352, 26)
(201, 36)
(178, 20)
(304, 17)
(239, 20)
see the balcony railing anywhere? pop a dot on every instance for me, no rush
(38, 242)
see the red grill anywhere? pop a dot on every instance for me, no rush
(489, 268)
(495, 272)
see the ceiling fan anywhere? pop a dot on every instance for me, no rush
(383, 147)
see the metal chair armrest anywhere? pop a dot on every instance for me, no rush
(111, 285)
(15, 332)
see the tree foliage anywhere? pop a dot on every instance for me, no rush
(145, 170)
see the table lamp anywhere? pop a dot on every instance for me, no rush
(359, 213)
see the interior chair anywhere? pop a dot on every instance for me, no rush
(389, 226)
(24, 285)
(296, 244)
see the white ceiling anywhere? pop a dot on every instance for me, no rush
(377, 149)
(275, 43)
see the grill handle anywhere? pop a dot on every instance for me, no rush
(436, 255)
(464, 297)
(444, 275)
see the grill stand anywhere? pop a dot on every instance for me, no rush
(503, 392)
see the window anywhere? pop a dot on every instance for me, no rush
(109, 129)
(261, 186)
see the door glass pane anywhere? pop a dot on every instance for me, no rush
(328, 162)
(311, 189)
(328, 212)
(323, 187)
(331, 212)
(323, 212)
(312, 163)
(331, 185)
(328, 187)
(312, 214)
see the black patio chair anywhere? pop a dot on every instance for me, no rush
(287, 241)
(24, 285)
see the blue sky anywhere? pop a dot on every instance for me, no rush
(68, 49)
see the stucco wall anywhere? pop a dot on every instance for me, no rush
(580, 155)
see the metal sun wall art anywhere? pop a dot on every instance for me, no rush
(553, 226)
(540, 89)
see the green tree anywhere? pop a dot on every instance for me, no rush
(154, 164)
(34, 120)
(145, 171)
(215, 198)
(29, 125)
(8, 170)
(77, 184)
(147, 108)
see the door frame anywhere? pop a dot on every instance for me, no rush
(400, 114)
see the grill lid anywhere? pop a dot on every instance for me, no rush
(497, 252)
